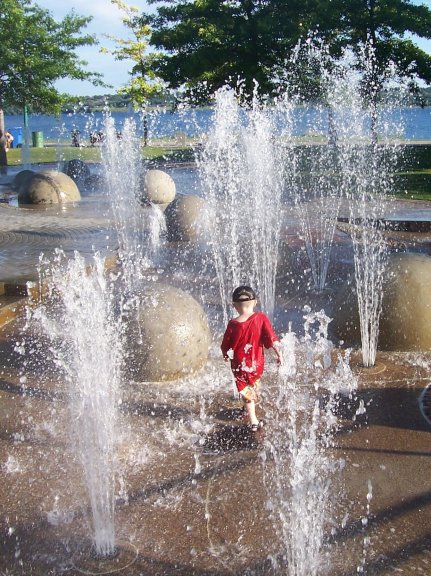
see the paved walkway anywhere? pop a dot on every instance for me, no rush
(195, 492)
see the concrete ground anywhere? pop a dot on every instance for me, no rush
(197, 493)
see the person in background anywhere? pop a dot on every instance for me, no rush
(3, 153)
(9, 139)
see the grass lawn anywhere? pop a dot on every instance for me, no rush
(414, 184)
(52, 154)
(409, 184)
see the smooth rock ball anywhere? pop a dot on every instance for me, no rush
(170, 337)
(159, 188)
(21, 179)
(184, 218)
(406, 317)
(48, 187)
(95, 183)
(405, 322)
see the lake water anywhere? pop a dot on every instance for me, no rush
(407, 123)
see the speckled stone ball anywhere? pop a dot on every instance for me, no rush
(170, 338)
(405, 323)
(94, 184)
(22, 178)
(159, 188)
(49, 187)
(184, 218)
(406, 317)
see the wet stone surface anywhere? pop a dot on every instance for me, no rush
(194, 484)
(196, 492)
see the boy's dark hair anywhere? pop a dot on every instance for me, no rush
(243, 294)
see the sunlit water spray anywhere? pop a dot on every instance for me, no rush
(366, 168)
(299, 469)
(87, 348)
(310, 167)
(240, 174)
(138, 228)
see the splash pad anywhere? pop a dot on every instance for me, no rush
(194, 491)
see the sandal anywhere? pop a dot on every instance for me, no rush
(258, 426)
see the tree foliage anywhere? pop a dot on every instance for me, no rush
(207, 43)
(384, 28)
(143, 83)
(36, 51)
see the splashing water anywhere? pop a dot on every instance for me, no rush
(86, 344)
(311, 168)
(240, 174)
(351, 164)
(364, 521)
(366, 168)
(361, 181)
(299, 468)
(138, 228)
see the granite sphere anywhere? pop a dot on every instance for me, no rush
(48, 187)
(22, 178)
(405, 322)
(170, 337)
(76, 169)
(95, 183)
(184, 218)
(159, 188)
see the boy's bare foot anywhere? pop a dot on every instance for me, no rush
(258, 426)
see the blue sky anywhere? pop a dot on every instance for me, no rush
(107, 19)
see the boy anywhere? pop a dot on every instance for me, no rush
(243, 344)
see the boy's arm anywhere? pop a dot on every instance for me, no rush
(226, 345)
(276, 346)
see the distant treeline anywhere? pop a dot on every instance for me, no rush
(113, 102)
(123, 102)
(116, 102)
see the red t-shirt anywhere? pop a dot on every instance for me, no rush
(243, 343)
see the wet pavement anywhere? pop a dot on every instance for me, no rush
(193, 495)
(195, 488)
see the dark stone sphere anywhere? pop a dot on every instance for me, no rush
(184, 218)
(76, 169)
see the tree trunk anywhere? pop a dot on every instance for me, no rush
(145, 129)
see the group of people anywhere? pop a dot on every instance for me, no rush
(6, 142)
(95, 138)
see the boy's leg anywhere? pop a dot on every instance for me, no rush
(250, 408)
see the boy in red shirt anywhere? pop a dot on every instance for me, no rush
(243, 344)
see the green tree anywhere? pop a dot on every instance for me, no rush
(208, 43)
(36, 51)
(144, 83)
(386, 27)
(380, 31)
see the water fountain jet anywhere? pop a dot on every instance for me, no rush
(240, 171)
(82, 329)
